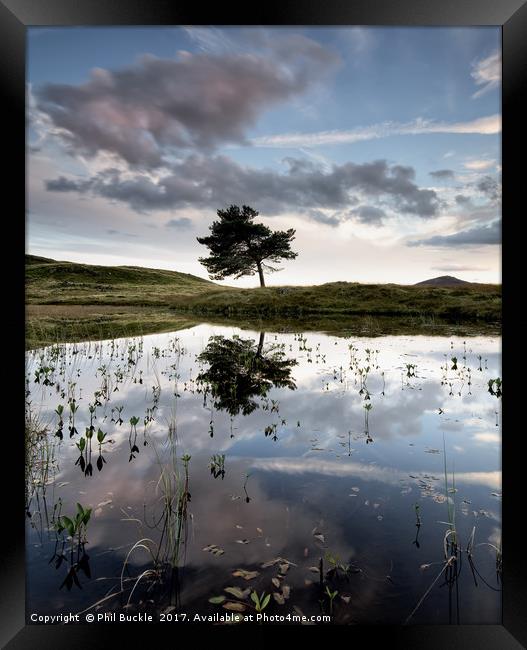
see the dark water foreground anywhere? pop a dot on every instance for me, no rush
(356, 478)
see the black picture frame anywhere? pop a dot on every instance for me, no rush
(15, 17)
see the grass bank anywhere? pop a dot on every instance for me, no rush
(51, 324)
(68, 301)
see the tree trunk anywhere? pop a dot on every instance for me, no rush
(260, 273)
(260, 344)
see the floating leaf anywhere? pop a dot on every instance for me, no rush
(217, 600)
(246, 575)
(235, 607)
(237, 592)
(277, 560)
(212, 548)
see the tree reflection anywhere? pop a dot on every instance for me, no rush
(240, 371)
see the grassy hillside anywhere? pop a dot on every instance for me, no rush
(52, 282)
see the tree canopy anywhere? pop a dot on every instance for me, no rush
(239, 247)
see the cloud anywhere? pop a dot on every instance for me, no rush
(487, 73)
(484, 125)
(369, 214)
(479, 165)
(332, 220)
(477, 236)
(183, 223)
(157, 106)
(212, 182)
(463, 200)
(490, 188)
(491, 437)
(120, 233)
(452, 268)
(442, 173)
(210, 39)
(361, 471)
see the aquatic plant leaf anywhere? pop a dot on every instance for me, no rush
(237, 592)
(276, 582)
(69, 525)
(75, 578)
(215, 550)
(84, 565)
(276, 560)
(68, 581)
(246, 575)
(235, 607)
(217, 600)
(279, 598)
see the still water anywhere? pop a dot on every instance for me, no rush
(353, 477)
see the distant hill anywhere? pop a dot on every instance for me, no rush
(442, 281)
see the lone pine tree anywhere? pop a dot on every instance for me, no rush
(239, 247)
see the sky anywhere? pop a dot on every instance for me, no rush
(381, 147)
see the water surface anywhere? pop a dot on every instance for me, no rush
(335, 449)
